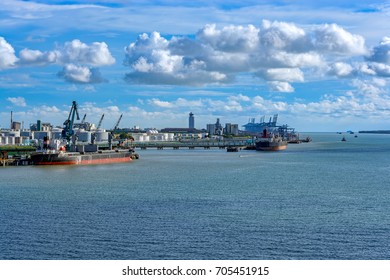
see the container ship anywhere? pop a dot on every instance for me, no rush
(66, 151)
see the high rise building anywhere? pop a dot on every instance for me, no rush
(231, 129)
(191, 121)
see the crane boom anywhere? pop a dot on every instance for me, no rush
(100, 121)
(83, 120)
(117, 123)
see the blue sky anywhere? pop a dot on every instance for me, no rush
(320, 65)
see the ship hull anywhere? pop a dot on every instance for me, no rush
(271, 145)
(80, 158)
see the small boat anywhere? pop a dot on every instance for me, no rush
(343, 139)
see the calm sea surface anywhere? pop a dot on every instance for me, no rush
(321, 200)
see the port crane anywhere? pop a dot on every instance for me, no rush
(83, 120)
(111, 135)
(100, 122)
(68, 132)
(117, 123)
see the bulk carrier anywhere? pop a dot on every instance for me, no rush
(270, 142)
(65, 151)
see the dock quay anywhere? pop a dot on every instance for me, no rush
(14, 161)
(15, 155)
(202, 144)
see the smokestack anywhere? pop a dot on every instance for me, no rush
(11, 121)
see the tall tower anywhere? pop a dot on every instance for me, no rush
(191, 121)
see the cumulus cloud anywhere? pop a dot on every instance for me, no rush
(282, 74)
(17, 101)
(341, 69)
(38, 58)
(280, 86)
(381, 53)
(379, 69)
(97, 54)
(336, 40)
(80, 61)
(7, 55)
(230, 38)
(73, 52)
(81, 74)
(284, 36)
(153, 62)
(278, 52)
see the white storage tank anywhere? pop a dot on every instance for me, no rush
(101, 136)
(84, 136)
(39, 135)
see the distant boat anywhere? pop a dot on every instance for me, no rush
(343, 139)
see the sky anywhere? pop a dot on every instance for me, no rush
(320, 65)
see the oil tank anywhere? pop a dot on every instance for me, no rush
(84, 136)
(101, 136)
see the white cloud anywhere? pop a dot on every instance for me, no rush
(341, 69)
(80, 74)
(97, 54)
(379, 69)
(336, 40)
(36, 57)
(79, 60)
(159, 103)
(73, 52)
(280, 86)
(178, 103)
(230, 38)
(153, 62)
(282, 74)
(17, 101)
(275, 51)
(7, 55)
(381, 53)
(283, 36)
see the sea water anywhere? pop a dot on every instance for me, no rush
(326, 199)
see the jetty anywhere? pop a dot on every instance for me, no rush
(15, 155)
(202, 144)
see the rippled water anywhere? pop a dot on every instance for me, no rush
(322, 200)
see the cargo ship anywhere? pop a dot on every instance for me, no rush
(66, 151)
(61, 157)
(270, 142)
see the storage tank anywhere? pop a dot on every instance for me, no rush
(101, 136)
(84, 136)
(39, 135)
(56, 133)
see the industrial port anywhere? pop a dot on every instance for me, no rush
(18, 144)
